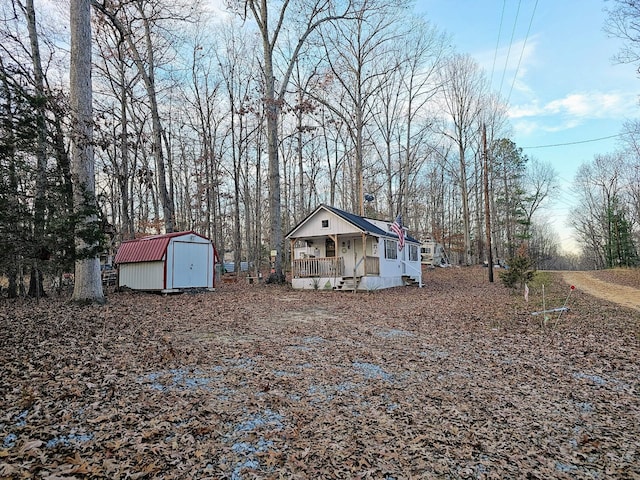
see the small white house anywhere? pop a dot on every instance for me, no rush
(334, 249)
(167, 263)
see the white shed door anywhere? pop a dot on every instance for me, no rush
(190, 265)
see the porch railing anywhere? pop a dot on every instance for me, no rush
(318, 267)
(416, 271)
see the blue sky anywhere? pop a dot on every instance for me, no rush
(553, 61)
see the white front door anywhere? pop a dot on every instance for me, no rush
(351, 252)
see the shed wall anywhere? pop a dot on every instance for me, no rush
(142, 276)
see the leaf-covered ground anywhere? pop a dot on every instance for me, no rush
(454, 380)
(621, 276)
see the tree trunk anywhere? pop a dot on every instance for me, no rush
(272, 110)
(127, 227)
(299, 211)
(237, 234)
(35, 283)
(12, 215)
(273, 102)
(275, 215)
(464, 193)
(149, 81)
(88, 282)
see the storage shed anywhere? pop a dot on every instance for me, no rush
(167, 263)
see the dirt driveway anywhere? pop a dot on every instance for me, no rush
(620, 294)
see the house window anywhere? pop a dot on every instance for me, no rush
(413, 253)
(325, 223)
(390, 249)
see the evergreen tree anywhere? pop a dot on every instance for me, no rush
(520, 268)
(620, 250)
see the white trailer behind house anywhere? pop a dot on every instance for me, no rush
(433, 253)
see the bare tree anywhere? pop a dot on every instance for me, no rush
(540, 184)
(303, 138)
(601, 220)
(631, 144)
(237, 63)
(465, 87)
(209, 124)
(35, 283)
(126, 17)
(623, 22)
(425, 54)
(311, 14)
(113, 66)
(88, 282)
(361, 59)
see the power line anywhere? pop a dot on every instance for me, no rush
(506, 61)
(495, 53)
(573, 143)
(515, 75)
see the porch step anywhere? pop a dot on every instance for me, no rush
(410, 281)
(348, 284)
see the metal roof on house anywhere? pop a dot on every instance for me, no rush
(147, 249)
(357, 221)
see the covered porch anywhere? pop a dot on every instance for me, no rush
(324, 262)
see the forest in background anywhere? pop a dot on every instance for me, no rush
(237, 122)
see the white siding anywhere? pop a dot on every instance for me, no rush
(142, 276)
(313, 226)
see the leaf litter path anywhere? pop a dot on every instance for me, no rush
(620, 294)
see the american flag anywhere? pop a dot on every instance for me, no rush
(396, 227)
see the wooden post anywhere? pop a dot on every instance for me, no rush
(486, 202)
(364, 253)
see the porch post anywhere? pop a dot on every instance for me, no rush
(335, 252)
(364, 252)
(292, 255)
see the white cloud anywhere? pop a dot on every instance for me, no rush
(592, 105)
(578, 107)
(529, 127)
(506, 67)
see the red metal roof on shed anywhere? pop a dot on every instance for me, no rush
(147, 249)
